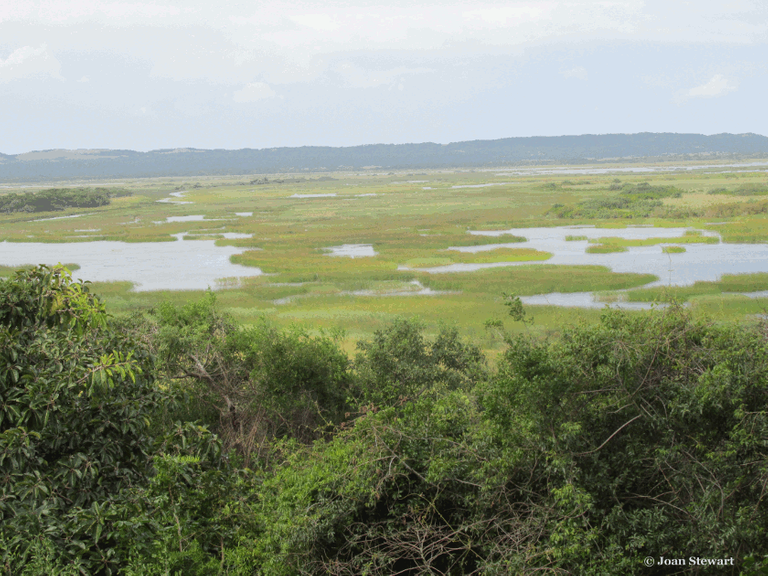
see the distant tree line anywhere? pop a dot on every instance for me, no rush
(55, 199)
(503, 152)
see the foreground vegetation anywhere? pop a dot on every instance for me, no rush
(180, 442)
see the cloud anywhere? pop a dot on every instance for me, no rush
(254, 92)
(718, 86)
(578, 72)
(29, 62)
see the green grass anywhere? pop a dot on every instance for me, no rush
(673, 249)
(728, 283)
(485, 257)
(7, 271)
(605, 249)
(574, 238)
(691, 237)
(527, 280)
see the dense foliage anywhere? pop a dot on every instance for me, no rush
(77, 401)
(641, 436)
(55, 199)
(632, 201)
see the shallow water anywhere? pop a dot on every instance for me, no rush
(480, 185)
(195, 218)
(700, 262)
(583, 300)
(352, 250)
(58, 218)
(631, 170)
(418, 290)
(194, 265)
(227, 235)
(175, 195)
(312, 195)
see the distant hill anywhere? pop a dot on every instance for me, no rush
(51, 165)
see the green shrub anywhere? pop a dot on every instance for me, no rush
(400, 364)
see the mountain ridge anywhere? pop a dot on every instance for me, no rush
(63, 164)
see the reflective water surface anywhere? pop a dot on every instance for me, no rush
(700, 262)
(180, 265)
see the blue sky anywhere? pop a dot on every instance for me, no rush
(150, 74)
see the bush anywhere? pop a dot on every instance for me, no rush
(658, 423)
(250, 385)
(399, 364)
(56, 199)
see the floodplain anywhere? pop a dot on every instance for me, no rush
(351, 251)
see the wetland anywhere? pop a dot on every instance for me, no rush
(357, 250)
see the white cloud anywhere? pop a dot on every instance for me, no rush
(30, 62)
(254, 92)
(718, 86)
(579, 72)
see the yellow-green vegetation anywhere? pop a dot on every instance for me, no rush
(410, 228)
(571, 238)
(6, 271)
(484, 257)
(690, 237)
(673, 249)
(527, 280)
(610, 244)
(728, 283)
(605, 248)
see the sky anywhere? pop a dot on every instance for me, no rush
(156, 74)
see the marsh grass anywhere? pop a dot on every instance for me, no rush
(728, 283)
(570, 238)
(538, 279)
(673, 249)
(748, 231)
(610, 297)
(604, 248)
(485, 257)
(690, 237)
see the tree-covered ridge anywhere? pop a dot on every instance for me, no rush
(506, 151)
(177, 442)
(56, 199)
